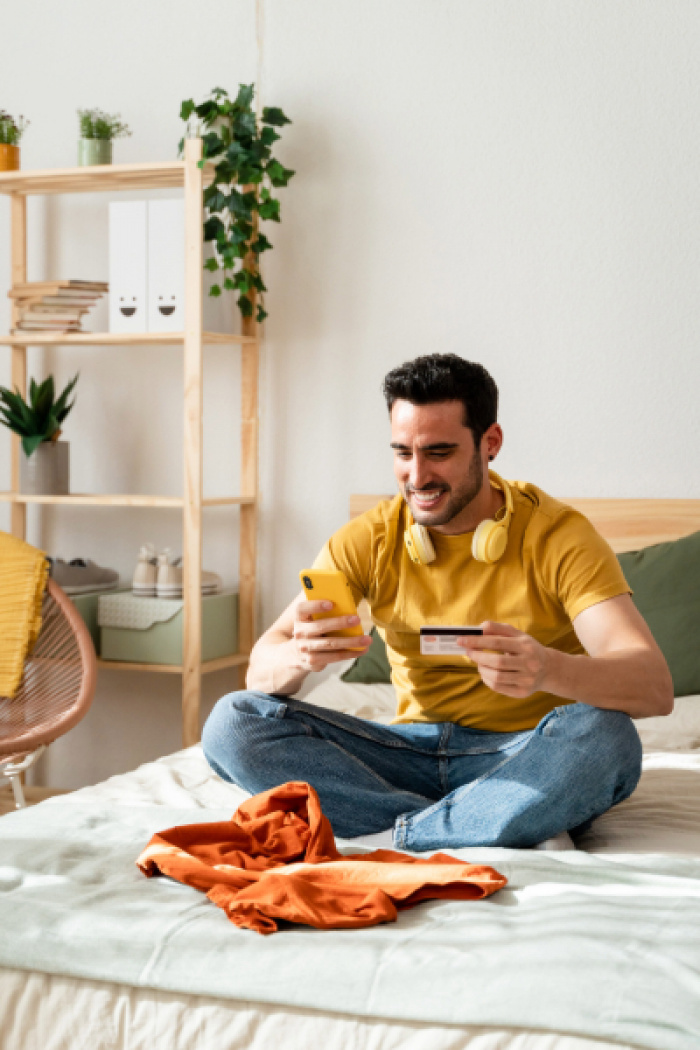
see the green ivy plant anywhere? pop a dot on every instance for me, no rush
(38, 419)
(241, 193)
(94, 124)
(11, 129)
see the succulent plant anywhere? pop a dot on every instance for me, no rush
(40, 418)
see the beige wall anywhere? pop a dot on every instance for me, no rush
(514, 182)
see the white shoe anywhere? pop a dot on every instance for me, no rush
(561, 841)
(169, 578)
(144, 581)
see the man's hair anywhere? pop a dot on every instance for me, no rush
(446, 377)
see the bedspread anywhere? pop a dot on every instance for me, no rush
(609, 942)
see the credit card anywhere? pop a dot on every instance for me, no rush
(443, 640)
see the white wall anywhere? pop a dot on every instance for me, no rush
(513, 182)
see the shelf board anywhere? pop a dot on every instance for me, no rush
(235, 660)
(116, 338)
(90, 500)
(99, 178)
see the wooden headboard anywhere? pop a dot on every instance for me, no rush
(627, 524)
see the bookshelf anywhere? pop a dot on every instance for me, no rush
(187, 175)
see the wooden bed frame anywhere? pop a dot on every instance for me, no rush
(627, 524)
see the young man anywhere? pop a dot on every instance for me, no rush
(525, 736)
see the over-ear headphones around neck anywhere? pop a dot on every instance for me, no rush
(489, 540)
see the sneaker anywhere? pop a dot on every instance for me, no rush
(80, 576)
(169, 578)
(144, 580)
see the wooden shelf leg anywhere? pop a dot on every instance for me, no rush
(249, 487)
(193, 459)
(18, 233)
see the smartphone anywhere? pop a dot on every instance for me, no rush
(331, 587)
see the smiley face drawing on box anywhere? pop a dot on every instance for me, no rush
(128, 266)
(166, 265)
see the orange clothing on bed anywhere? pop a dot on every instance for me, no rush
(276, 859)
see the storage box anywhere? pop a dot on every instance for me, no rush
(86, 604)
(149, 630)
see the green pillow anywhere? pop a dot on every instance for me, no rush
(372, 667)
(665, 579)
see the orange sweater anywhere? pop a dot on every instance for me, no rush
(276, 859)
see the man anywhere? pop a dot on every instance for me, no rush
(528, 734)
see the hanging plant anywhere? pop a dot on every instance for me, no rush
(241, 192)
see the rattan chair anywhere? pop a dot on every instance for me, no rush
(56, 691)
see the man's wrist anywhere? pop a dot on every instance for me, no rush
(559, 673)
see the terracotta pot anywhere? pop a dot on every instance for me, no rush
(94, 151)
(9, 157)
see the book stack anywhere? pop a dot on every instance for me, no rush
(54, 306)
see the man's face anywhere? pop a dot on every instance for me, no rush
(437, 465)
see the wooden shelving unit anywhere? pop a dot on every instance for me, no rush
(188, 175)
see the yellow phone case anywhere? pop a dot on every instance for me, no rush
(320, 586)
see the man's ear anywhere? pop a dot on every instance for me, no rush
(492, 441)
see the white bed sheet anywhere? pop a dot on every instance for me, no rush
(63, 1013)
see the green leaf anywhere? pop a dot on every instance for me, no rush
(258, 282)
(279, 175)
(219, 92)
(239, 206)
(31, 444)
(186, 109)
(60, 409)
(250, 174)
(215, 291)
(228, 283)
(270, 210)
(207, 111)
(245, 306)
(211, 265)
(212, 145)
(262, 314)
(260, 244)
(212, 227)
(268, 136)
(244, 125)
(273, 115)
(216, 201)
(246, 93)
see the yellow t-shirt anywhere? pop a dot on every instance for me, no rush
(555, 566)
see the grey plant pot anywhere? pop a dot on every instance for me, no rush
(47, 471)
(94, 151)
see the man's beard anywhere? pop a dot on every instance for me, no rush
(457, 500)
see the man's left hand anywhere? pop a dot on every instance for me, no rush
(515, 663)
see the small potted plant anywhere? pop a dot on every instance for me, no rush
(45, 466)
(11, 130)
(97, 132)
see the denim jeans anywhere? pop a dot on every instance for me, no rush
(438, 785)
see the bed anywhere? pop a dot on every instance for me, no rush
(584, 950)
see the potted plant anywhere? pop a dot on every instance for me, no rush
(11, 130)
(44, 467)
(245, 173)
(97, 132)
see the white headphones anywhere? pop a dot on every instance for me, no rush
(488, 543)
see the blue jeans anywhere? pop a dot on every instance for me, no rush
(438, 785)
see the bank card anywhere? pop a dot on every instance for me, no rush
(443, 640)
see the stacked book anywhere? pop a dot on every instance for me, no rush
(54, 306)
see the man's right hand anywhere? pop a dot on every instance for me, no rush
(312, 638)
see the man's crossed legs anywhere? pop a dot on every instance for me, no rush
(438, 785)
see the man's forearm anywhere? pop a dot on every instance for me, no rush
(274, 668)
(635, 681)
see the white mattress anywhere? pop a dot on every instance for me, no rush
(63, 1013)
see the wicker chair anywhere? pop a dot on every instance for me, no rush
(56, 691)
